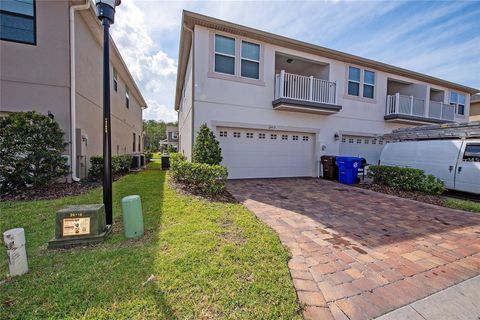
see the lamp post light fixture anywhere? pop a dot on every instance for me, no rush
(106, 14)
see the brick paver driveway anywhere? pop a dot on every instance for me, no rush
(360, 254)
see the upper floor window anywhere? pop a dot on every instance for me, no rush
(353, 81)
(458, 100)
(127, 98)
(361, 86)
(250, 60)
(224, 54)
(368, 84)
(115, 79)
(133, 144)
(17, 21)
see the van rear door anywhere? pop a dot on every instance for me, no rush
(439, 158)
(467, 176)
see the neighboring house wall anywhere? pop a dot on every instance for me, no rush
(185, 114)
(89, 96)
(37, 77)
(475, 111)
(475, 108)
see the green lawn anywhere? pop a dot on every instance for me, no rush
(467, 205)
(210, 260)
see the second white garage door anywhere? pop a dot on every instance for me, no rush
(363, 147)
(249, 153)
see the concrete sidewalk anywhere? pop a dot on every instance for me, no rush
(461, 301)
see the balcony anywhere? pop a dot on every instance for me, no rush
(299, 93)
(409, 109)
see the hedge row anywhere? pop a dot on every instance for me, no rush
(201, 177)
(408, 179)
(120, 164)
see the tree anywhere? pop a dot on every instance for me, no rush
(31, 147)
(155, 131)
(206, 149)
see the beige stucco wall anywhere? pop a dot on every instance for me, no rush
(37, 77)
(475, 110)
(89, 97)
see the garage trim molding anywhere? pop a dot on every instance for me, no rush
(215, 124)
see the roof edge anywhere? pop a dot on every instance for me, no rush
(191, 19)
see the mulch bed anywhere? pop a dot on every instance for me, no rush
(56, 190)
(224, 196)
(413, 195)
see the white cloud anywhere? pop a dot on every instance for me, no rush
(153, 69)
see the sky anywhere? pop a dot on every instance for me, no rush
(441, 39)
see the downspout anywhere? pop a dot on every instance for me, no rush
(73, 138)
(193, 89)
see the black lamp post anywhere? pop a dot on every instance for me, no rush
(106, 14)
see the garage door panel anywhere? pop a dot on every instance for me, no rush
(261, 155)
(363, 147)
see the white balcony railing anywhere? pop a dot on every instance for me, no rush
(297, 87)
(409, 105)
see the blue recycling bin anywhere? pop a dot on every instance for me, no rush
(348, 169)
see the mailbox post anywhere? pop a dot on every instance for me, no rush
(106, 14)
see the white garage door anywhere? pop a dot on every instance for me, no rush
(249, 153)
(363, 147)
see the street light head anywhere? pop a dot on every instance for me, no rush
(106, 9)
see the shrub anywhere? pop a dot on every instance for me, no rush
(408, 179)
(201, 177)
(148, 156)
(206, 148)
(171, 149)
(120, 164)
(31, 147)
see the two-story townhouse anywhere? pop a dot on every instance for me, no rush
(475, 107)
(277, 104)
(51, 62)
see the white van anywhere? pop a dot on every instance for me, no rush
(454, 161)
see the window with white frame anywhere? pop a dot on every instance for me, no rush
(353, 81)
(368, 84)
(261, 136)
(295, 138)
(273, 136)
(458, 100)
(361, 83)
(284, 136)
(305, 138)
(223, 134)
(249, 135)
(236, 134)
(224, 54)
(250, 67)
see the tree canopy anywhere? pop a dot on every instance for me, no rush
(155, 131)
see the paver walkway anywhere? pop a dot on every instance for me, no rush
(358, 254)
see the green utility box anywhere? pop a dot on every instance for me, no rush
(79, 225)
(132, 216)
